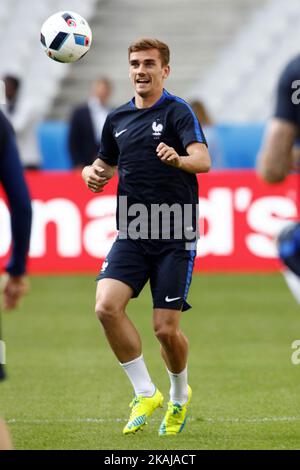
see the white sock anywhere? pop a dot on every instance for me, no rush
(138, 375)
(179, 387)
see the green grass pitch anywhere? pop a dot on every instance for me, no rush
(66, 390)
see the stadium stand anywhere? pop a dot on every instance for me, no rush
(251, 64)
(50, 89)
(40, 76)
(194, 31)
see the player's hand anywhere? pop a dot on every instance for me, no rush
(168, 155)
(13, 288)
(95, 178)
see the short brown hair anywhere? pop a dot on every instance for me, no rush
(147, 43)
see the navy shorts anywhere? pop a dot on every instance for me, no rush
(167, 265)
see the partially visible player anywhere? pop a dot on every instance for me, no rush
(158, 146)
(279, 155)
(14, 282)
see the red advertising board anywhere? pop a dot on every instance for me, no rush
(73, 228)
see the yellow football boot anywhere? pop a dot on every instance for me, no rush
(175, 418)
(141, 409)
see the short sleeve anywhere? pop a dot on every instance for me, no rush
(108, 151)
(285, 108)
(187, 126)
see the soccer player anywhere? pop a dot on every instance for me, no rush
(158, 146)
(15, 283)
(280, 154)
(279, 151)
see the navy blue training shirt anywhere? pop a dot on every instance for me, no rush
(12, 179)
(129, 140)
(288, 93)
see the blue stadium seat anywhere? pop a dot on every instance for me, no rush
(53, 143)
(240, 143)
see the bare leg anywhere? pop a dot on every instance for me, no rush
(174, 344)
(111, 299)
(5, 440)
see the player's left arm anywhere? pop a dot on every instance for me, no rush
(197, 161)
(14, 283)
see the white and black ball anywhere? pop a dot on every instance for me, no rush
(66, 36)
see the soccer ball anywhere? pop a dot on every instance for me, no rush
(66, 36)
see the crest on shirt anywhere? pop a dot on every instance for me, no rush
(157, 129)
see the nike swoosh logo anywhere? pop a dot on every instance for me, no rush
(119, 133)
(171, 300)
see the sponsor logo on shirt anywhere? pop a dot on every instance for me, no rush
(120, 133)
(104, 266)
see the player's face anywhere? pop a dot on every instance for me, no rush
(146, 72)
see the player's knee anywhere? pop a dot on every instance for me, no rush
(165, 333)
(106, 311)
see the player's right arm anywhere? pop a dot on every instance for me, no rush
(277, 154)
(13, 288)
(97, 175)
(276, 157)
